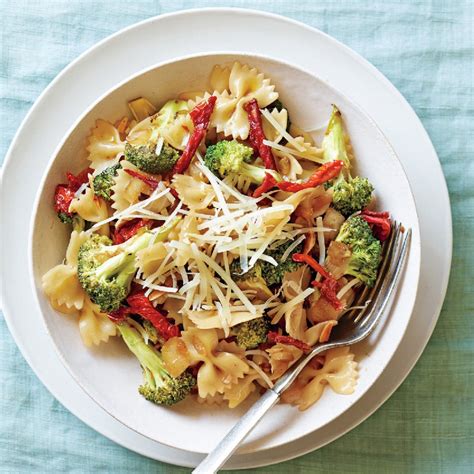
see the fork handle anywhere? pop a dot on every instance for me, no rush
(216, 458)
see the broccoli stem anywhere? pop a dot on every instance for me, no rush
(254, 173)
(149, 358)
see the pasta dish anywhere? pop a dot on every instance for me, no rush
(219, 241)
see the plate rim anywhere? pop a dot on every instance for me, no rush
(365, 65)
(414, 247)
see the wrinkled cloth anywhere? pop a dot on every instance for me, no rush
(428, 424)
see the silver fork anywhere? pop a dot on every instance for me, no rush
(354, 327)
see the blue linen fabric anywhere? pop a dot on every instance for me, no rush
(428, 424)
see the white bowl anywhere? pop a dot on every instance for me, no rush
(109, 374)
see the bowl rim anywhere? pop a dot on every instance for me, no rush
(416, 241)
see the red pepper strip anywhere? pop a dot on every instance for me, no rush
(141, 305)
(201, 116)
(329, 286)
(303, 258)
(128, 230)
(384, 214)
(268, 183)
(152, 182)
(64, 193)
(256, 135)
(323, 174)
(75, 182)
(276, 338)
(62, 199)
(379, 222)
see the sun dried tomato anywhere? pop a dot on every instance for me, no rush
(379, 222)
(149, 180)
(141, 305)
(329, 286)
(323, 174)
(201, 116)
(257, 136)
(128, 230)
(276, 338)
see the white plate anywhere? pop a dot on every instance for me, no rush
(110, 369)
(116, 58)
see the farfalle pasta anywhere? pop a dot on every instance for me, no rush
(94, 326)
(61, 285)
(219, 241)
(339, 371)
(104, 145)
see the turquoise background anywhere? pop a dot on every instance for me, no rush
(426, 49)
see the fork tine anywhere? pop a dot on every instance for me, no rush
(369, 293)
(400, 250)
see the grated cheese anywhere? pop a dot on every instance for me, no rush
(164, 289)
(291, 151)
(347, 287)
(257, 352)
(260, 372)
(321, 245)
(159, 146)
(292, 247)
(129, 211)
(281, 130)
(278, 312)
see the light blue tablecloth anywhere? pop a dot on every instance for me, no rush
(426, 49)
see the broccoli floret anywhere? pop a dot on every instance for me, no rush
(231, 158)
(264, 272)
(365, 250)
(144, 157)
(65, 218)
(350, 194)
(78, 223)
(274, 275)
(106, 271)
(159, 386)
(251, 280)
(104, 181)
(252, 333)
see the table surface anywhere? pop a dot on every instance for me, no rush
(426, 49)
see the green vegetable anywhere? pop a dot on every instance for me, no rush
(159, 386)
(365, 250)
(352, 195)
(349, 194)
(233, 158)
(65, 218)
(168, 112)
(104, 181)
(252, 333)
(78, 223)
(106, 271)
(144, 157)
(264, 273)
(274, 275)
(251, 280)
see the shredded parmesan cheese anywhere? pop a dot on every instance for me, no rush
(347, 287)
(260, 372)
(278, 312)
(291, 151)
(281, 130)
(292, 247)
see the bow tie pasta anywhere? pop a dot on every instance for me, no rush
(220, 241)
